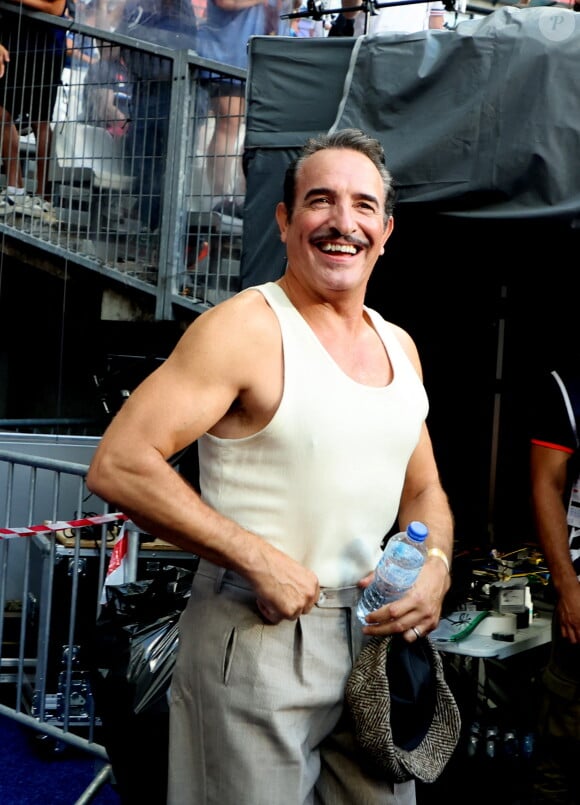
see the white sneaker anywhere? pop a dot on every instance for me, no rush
(41, 208)
(7, 203)
(23, 204)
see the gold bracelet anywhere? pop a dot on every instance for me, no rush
(442, 555)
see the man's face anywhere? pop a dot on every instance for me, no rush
(337, 231)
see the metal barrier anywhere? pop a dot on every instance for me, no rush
(56, 539)
(50, 599)
(139, 191)
(53, 425)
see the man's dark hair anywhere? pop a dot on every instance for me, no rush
(352, 139)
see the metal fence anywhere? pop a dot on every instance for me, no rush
(43, 681)
(55, 543)
(84, 426)
(138, 188)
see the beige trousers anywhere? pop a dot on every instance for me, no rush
(257, 709)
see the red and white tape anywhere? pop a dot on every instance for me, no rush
(60, 525)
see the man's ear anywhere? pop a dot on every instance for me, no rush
(388, 232)
(282, 220)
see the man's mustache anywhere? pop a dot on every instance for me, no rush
(334, 234)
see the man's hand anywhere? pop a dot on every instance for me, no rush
(285, 590)
(569, 613)
(419, 608)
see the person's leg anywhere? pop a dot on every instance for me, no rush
(555, 773)
(557, 752)
(41, 71)
(43, 136)
(239, 730)
(346, 778)
(146, 146)
(38, 205)
(13, 198)
(10, 150)
(9, 137)
(43, 99)
(224, 165)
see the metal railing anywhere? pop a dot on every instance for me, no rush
(50, 600)
(84, 426)
(133, 171)
(56, 539)
(41, 665)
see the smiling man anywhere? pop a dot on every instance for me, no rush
(309, 413)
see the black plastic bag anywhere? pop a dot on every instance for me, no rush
(133, 655)
(137, 634)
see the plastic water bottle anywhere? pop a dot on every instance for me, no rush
(397, 569)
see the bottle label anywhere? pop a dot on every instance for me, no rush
(400, 577)
(400, 566)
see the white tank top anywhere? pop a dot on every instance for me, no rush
(322, 480)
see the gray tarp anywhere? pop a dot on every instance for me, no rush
(483, 120)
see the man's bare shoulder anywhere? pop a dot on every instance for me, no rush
(235, 325)
(233, 354)
(402, 335)
(248, 309)
(407, 343)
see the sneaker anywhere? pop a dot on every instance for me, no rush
(231, 214)
(23, 204)
(39, 207)
(230, 208)
(7, 203)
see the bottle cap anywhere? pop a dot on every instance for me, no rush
(417, 530)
